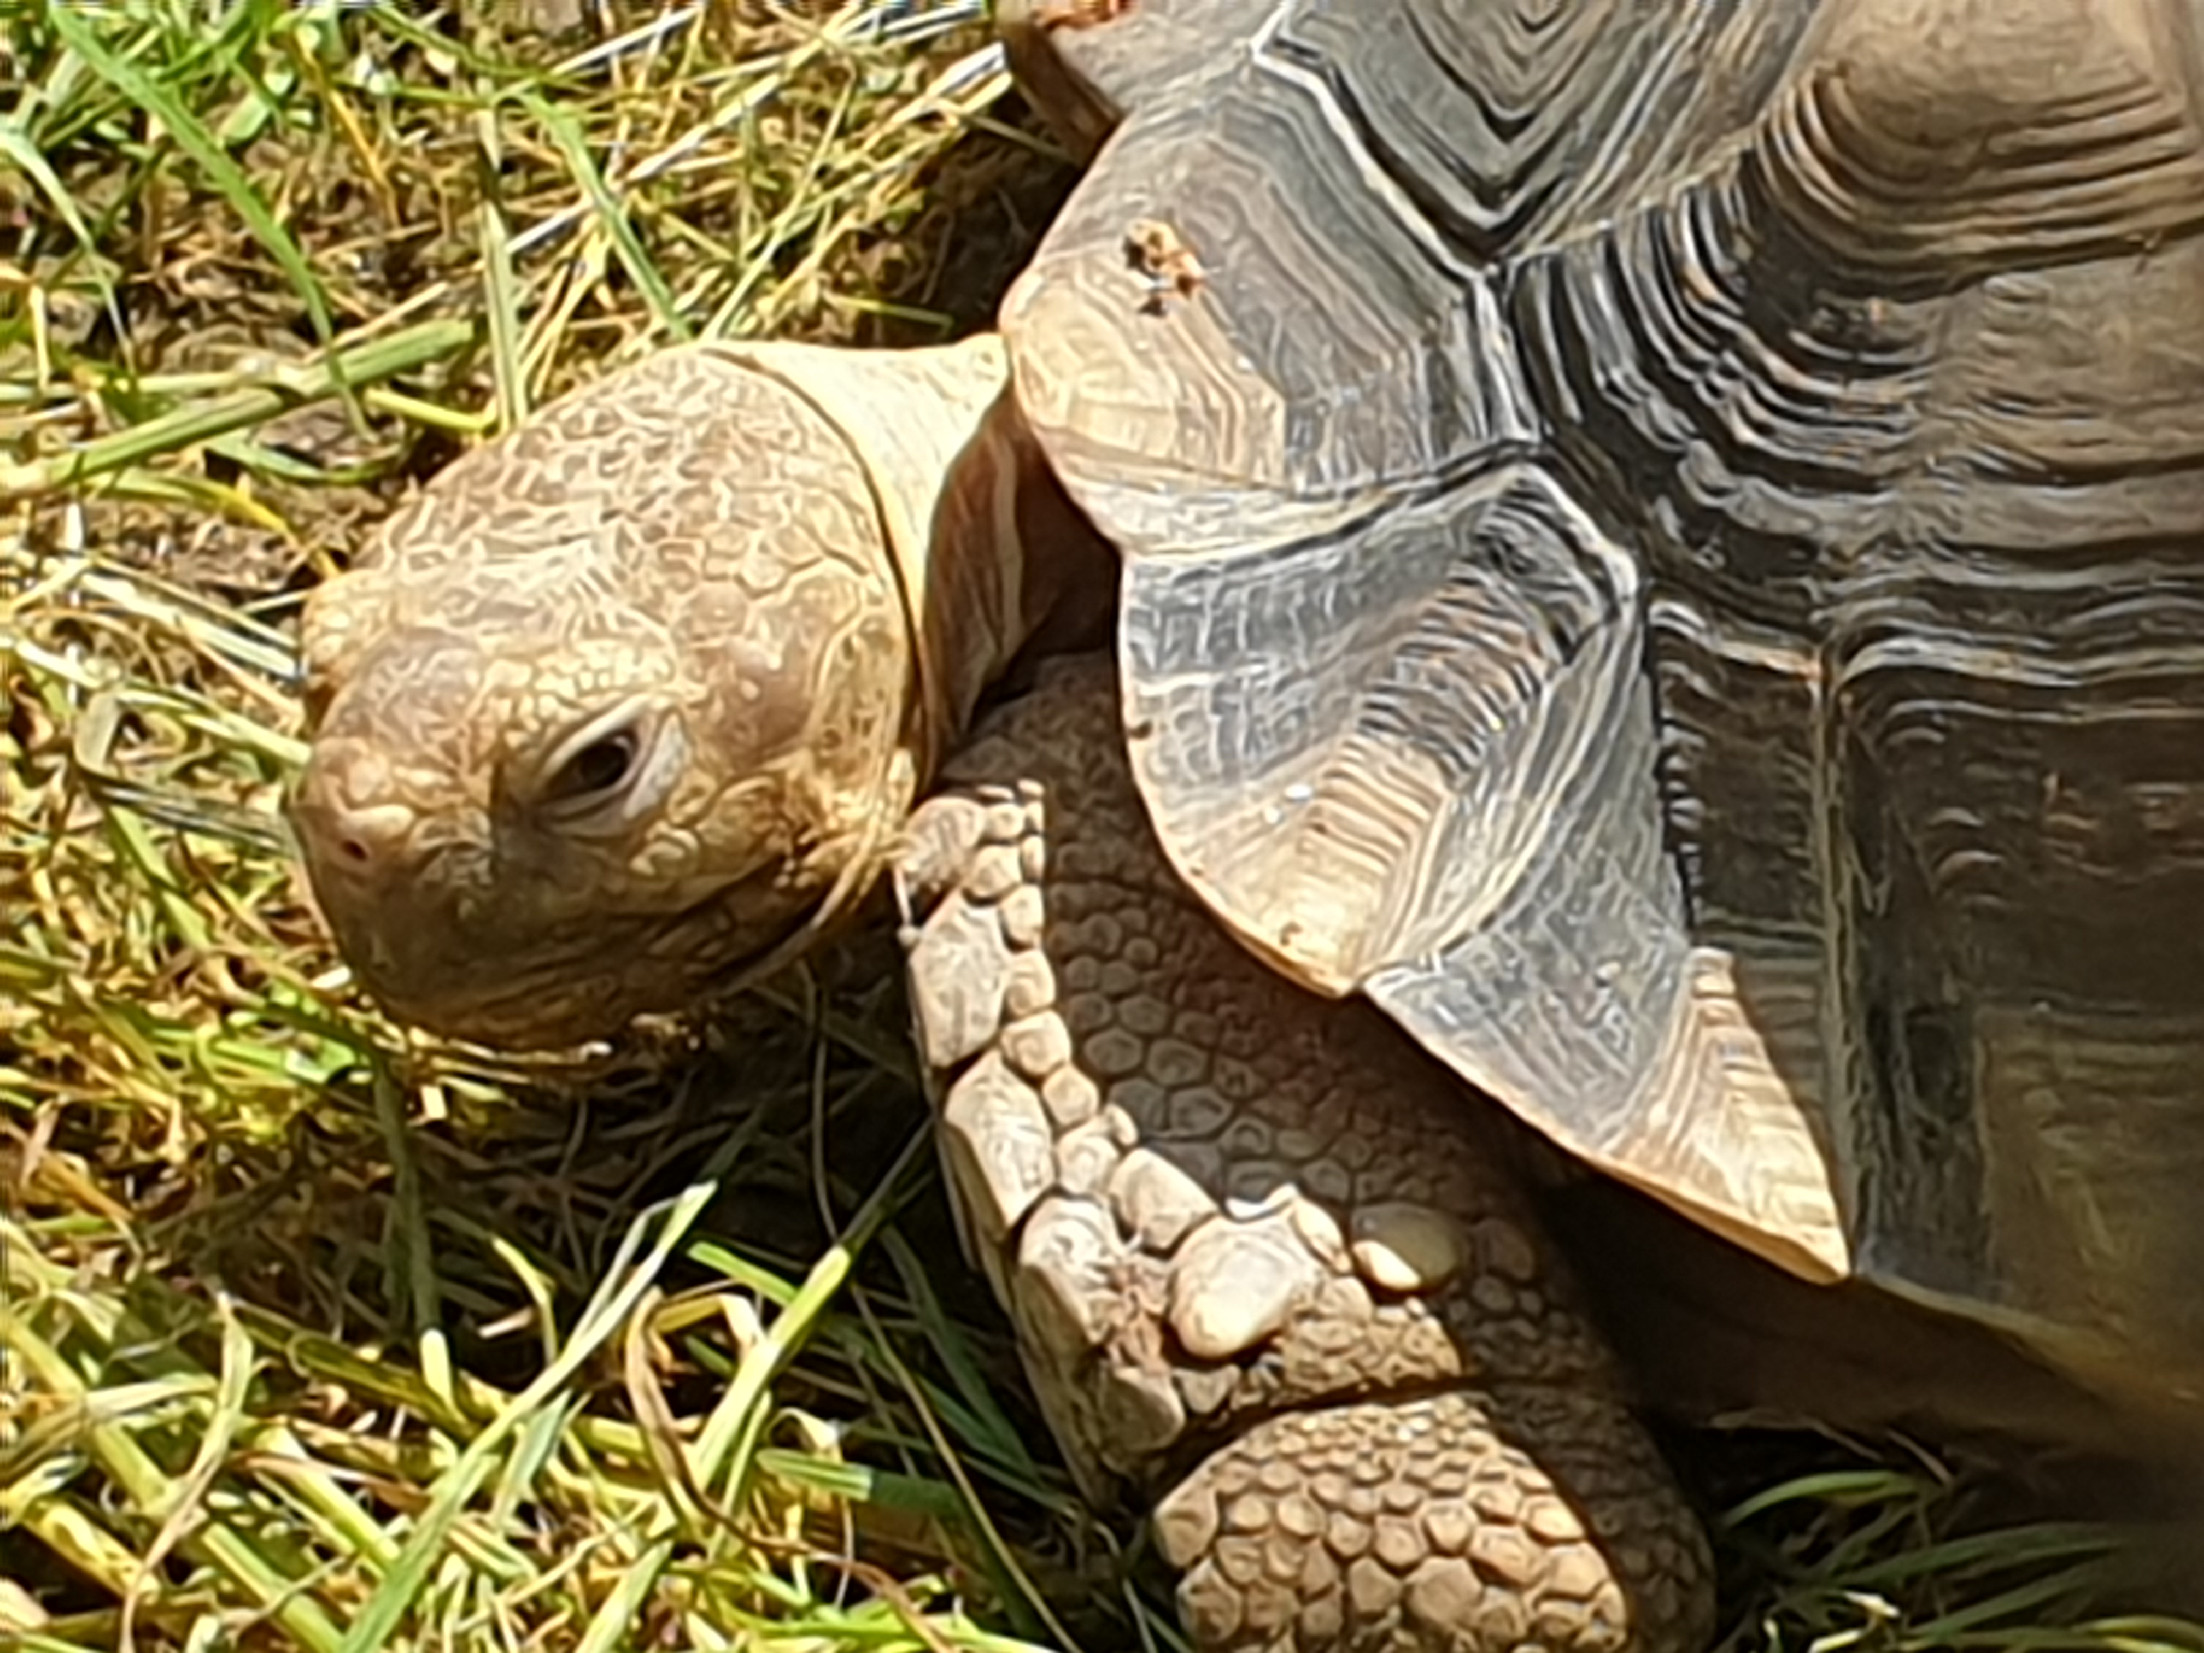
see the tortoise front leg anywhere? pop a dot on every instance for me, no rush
(1256, 1250)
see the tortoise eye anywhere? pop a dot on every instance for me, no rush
(607, 774)
(602, 766)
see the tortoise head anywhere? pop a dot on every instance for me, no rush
(615, 706)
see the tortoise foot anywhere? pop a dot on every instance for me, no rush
(1244, 1228)
(1452, 1522)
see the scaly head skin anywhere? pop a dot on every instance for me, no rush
(637, 696)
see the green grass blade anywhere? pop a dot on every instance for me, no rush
(76, 29)
(612, 217)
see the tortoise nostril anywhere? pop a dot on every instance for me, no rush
(350, 814)
(365, 838)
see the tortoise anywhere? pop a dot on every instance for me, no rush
(1630, 566)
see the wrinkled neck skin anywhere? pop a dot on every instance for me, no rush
(992, 559)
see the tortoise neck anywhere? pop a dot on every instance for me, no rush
(1012, 570)
(989, 555)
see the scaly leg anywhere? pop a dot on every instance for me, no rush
(1257, 1250)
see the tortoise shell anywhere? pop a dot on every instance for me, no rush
(1662, 546)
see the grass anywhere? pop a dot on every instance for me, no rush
(317, 1335)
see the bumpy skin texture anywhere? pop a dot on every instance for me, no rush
(1256, 1247)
